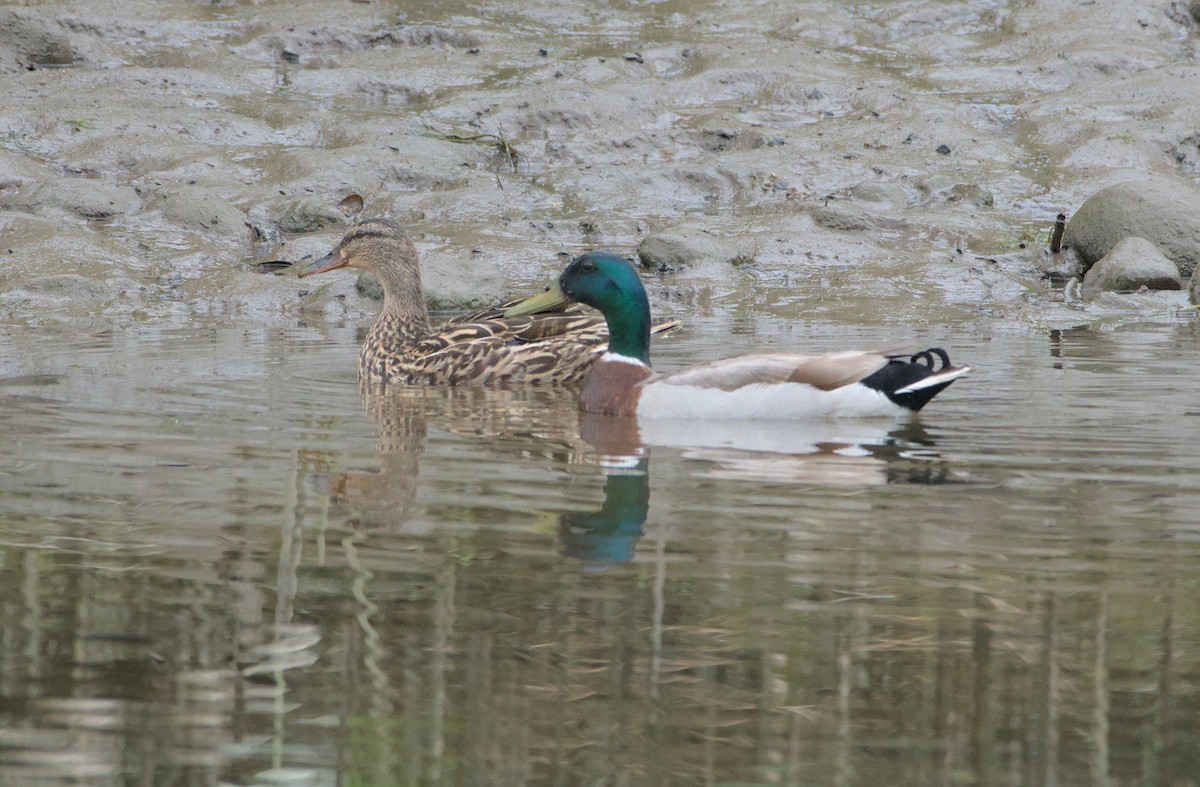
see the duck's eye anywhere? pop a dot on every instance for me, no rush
(587, 266)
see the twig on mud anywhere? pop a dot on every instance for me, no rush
(498, 141)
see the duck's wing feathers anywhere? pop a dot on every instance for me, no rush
(564, 321)
(583, 329)
(503, 359)
(497, 313)
(826, 371)
(555, 348)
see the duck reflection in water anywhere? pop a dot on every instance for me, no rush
(837, 451)
(610, 534)
(383, 499)
(509, 425)
(831, 453)
(524, 428)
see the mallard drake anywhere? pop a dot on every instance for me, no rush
(553, 346)
(760, 385)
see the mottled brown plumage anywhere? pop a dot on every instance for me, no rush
(557, 347)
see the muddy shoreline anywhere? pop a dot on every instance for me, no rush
(895, 163)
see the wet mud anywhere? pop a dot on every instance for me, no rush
(880, 162)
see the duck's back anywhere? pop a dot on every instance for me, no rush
(482, 348)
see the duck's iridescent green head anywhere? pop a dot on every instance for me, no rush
(609, 283)
(603, 280)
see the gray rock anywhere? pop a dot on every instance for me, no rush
(1163, 212)
(1194, 287)
(682, 248)
(29, 39)
(1132, 264)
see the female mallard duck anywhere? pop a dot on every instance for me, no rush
(760, 385)
(555, 346)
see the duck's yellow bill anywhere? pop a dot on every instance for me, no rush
(552, 298)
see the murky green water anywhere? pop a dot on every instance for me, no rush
(217, 567)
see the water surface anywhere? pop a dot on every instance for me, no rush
(218, 563)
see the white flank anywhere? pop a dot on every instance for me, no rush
(935, 379)
(764, 401)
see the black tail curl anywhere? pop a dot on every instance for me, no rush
(927, 357)
(902, 372)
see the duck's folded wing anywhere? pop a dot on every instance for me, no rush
(825, 371)
(581, 329)
(497, 360)
(568, 322)
(497, 313)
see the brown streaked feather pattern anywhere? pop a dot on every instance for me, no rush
(480, 348)
(478, 355)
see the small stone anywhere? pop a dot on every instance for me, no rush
(633, 57)
(944, 149)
